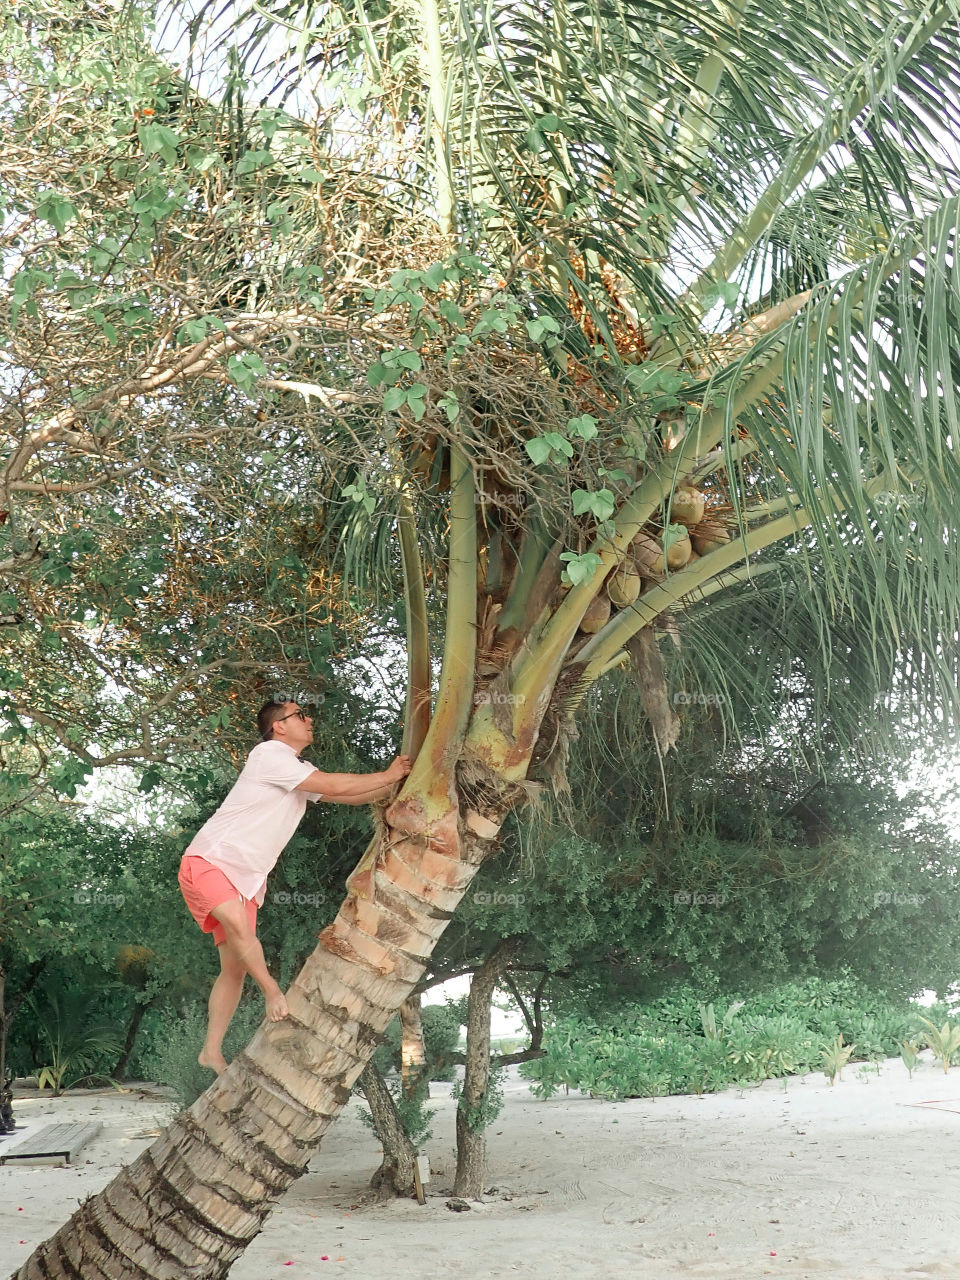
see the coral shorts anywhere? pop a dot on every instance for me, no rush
(204, 887)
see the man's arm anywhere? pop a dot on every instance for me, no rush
(368, 797)
(355, 788)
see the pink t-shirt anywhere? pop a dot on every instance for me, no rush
(246, 835)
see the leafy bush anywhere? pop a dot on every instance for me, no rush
(173, 1060)
(77, 1042)
(676, 1044)
(414, 1115)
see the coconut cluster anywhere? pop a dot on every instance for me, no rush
(650, 556)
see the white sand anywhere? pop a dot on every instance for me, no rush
(855, 1182)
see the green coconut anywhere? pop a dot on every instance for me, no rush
(678, 552)
(597, 614)
(687, 507)
(709, 535)
(623, 586)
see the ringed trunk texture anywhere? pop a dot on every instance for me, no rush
(413, 1051)
(395, 1175)
(471, 1143)
(191, 1203)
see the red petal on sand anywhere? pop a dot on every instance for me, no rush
(773, 1253)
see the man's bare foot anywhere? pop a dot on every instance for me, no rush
(276, 1005)
(215, 1061)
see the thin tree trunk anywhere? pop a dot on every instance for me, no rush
(413, 1051)
(7, 1013)
(6, 1101)
(395, 1175)
(3, 1028)
(471, 1143)
(138, 1015)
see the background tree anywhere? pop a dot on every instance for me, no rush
(751, 878)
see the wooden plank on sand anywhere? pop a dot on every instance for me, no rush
(54, 1141)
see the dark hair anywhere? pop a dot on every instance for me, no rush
(267, 717)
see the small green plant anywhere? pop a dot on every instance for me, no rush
(490, 1105)
(173, 1061)
(77, 1040)
(708, 1020)
(944, 1041)
(910, 1053)
(415, 1118)
(835, 1057)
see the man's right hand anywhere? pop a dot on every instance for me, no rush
(398, 768)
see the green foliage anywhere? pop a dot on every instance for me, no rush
(944, 1041)
(77, 1042)
(173, 1058)
(414, 1114)
(616, 908)
(910, 1053)
(708, 1020)
(481, 1114)
(674, 1044)
(835, 1057)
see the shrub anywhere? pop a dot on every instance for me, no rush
(676, 1044)
(77, 1042)
(415, 1117)
(173, 1059)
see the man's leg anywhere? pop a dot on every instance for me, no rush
(224, 999)
(243, 946)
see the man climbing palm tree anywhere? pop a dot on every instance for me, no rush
(223, 874)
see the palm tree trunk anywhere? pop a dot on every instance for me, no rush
(192, 1203)
(413, 1053)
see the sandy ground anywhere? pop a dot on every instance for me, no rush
(857, 1182)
